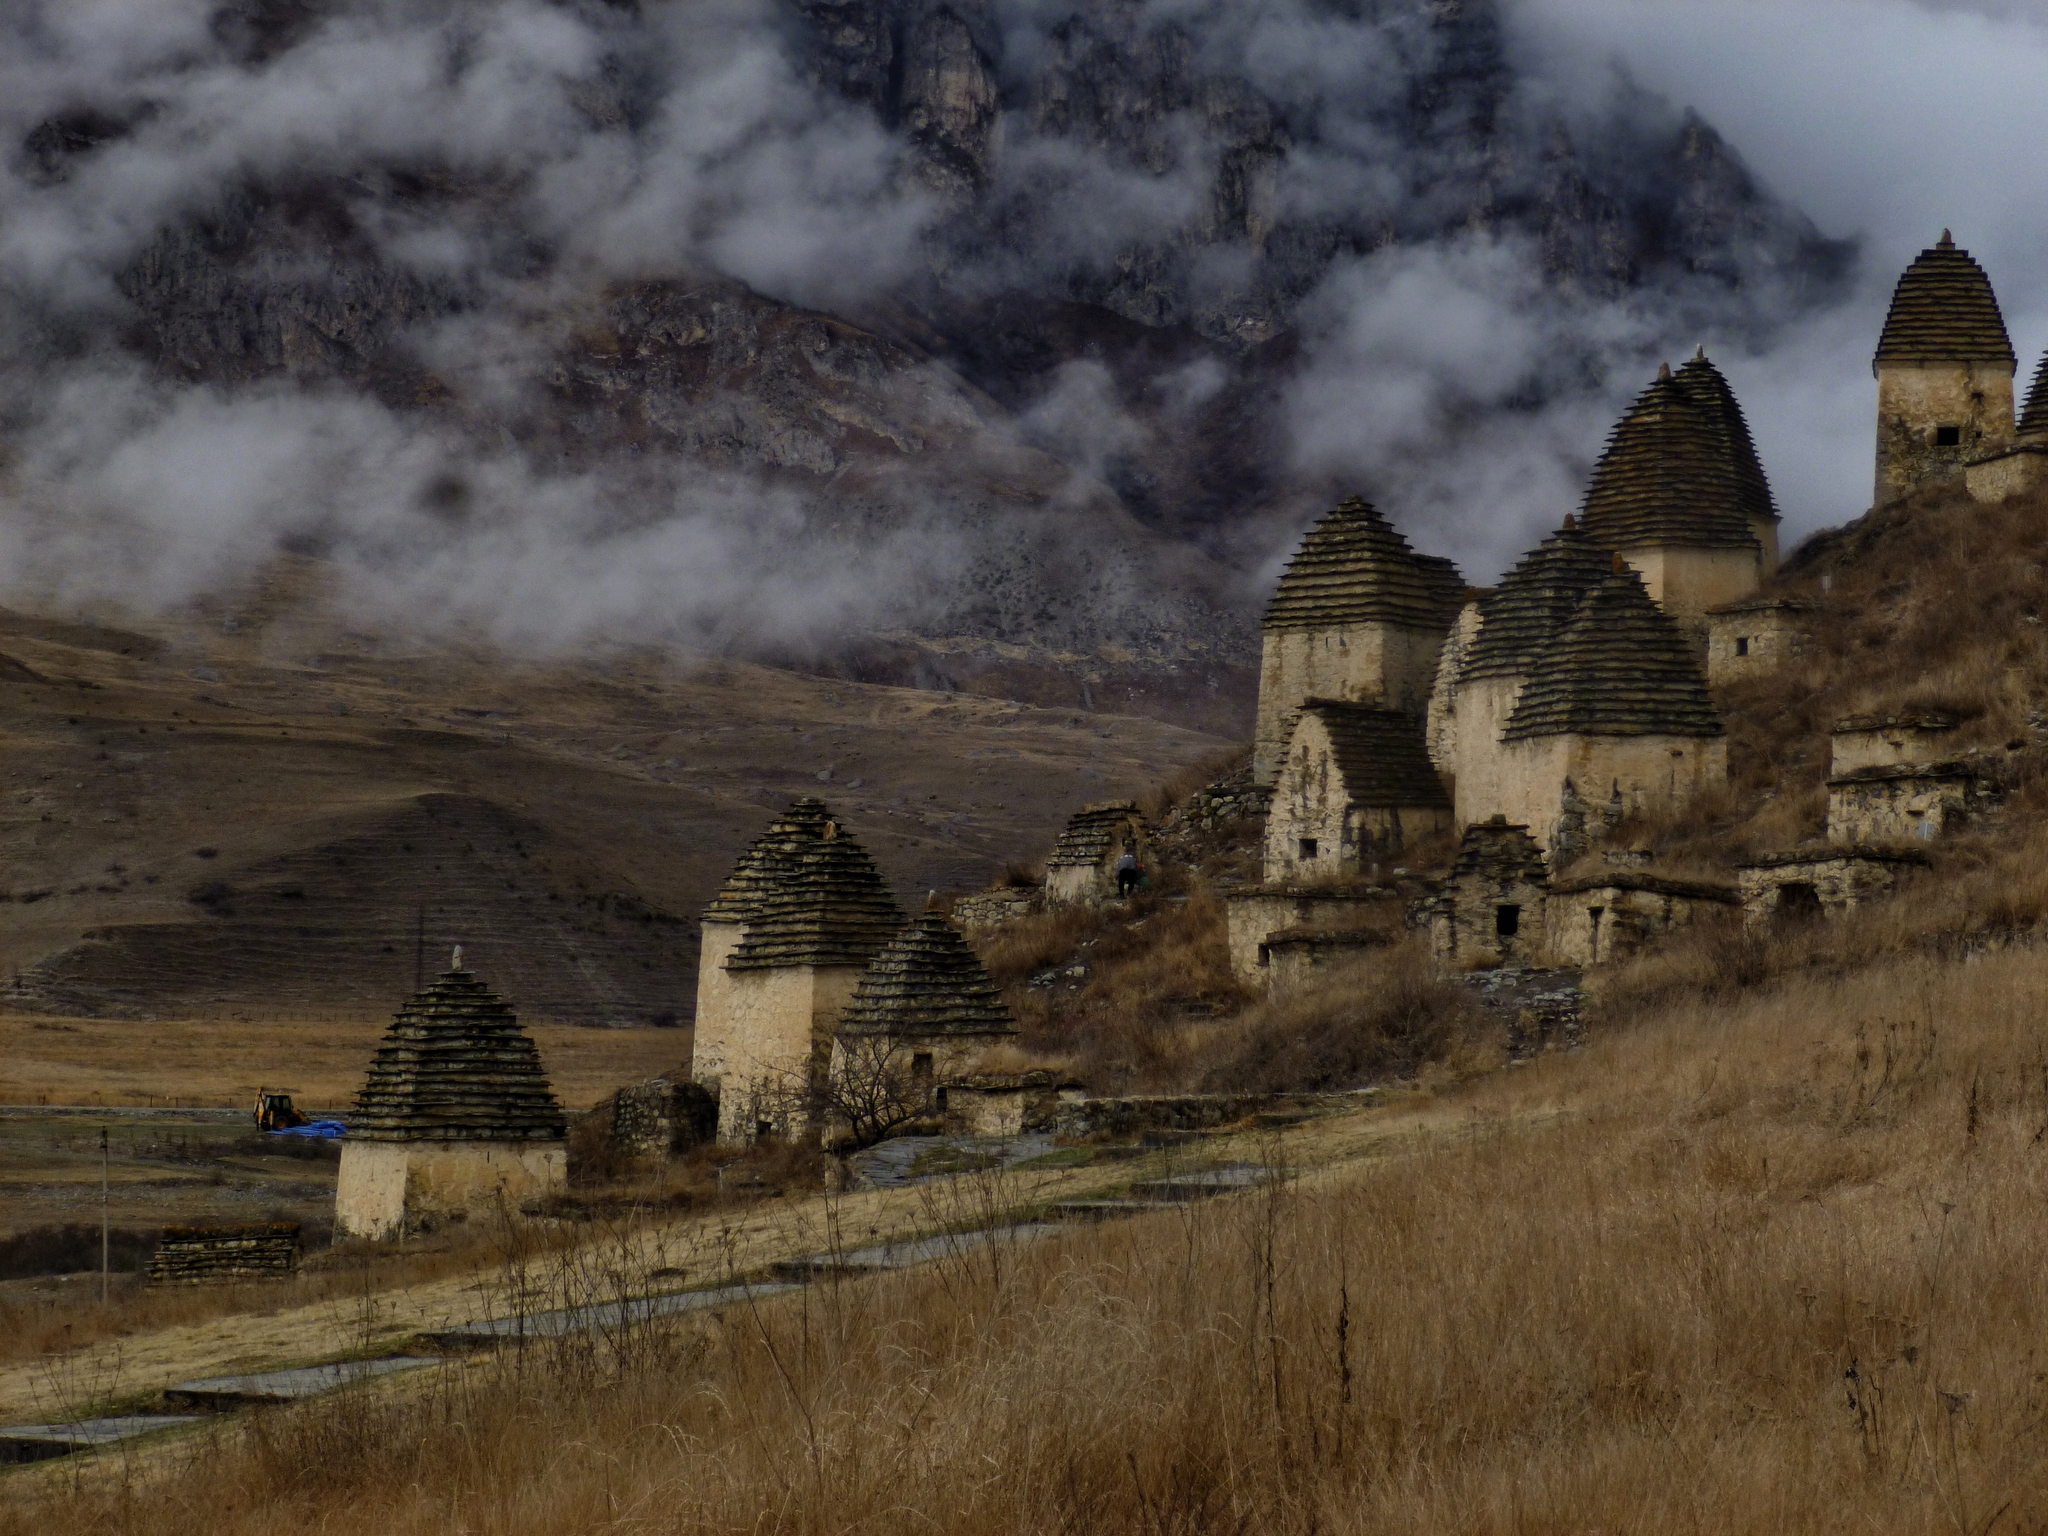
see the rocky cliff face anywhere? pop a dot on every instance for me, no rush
(1128, 205)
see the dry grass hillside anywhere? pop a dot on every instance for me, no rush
(252, 810)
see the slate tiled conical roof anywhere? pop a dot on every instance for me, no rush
(1620, 668)
(1381, 753)
(1353, 567)
(1534, 602)
(927, 981)
(1944, 311)
(1668, 476)
(806, 893)
(1709, 390)
(456, 1066)
(1090, 832)
(2034, 416)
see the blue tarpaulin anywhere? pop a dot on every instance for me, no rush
(326, 1129)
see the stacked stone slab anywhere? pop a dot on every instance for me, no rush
(456, 1116)
(1944, 370)
(1679, 492)
(1517, 623)
(1359, 617)
(209, 1255)
(784, 944)
(1356, 787)
(1081, 869)
(925, 1006)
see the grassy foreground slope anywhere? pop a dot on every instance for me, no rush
(1773, 1266)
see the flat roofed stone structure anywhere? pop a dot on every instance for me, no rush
(1606, 918)
(785, 943)
(1890, 741)
(1679, 493)
(1358, 616)
(1081, 869)
(1804, 883)
(1615, 709)
(1356, 787)
(455, 1117)
(1298, 957)
(1518, 622)
(1909, 803)
(1753, 637)
(1491, 910)
(927, 999)
(1252, 915)
(1944, 368)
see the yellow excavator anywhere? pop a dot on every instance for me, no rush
(274, 1111)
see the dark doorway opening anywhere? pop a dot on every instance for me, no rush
(1798, 902)
(1507, 921)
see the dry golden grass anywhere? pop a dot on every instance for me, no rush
(221, 1063)
(1773, 1267)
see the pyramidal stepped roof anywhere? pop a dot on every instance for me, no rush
(805, 893)
(1668, 474)
(1710, 392)
(1499, 851)
(1354, 567)
(927, 981)
(1944, 311)
(1534, 602)
(1620, 668)
(2034, 415)
(456, 1066)
(1381, 753)
(1091, 831)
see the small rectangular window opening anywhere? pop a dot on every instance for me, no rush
(1308, 848)
(1507, 921)
(921, 1068)
(1742, 645)
(1265, 955)
(1948, 437)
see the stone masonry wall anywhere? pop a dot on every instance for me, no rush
(196, 1255)
(1654, 775)
(1388, 664)
(1915, 399)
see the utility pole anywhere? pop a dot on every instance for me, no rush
(103, 1216)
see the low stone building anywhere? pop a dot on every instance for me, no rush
(1297, 957)
(1081, 870)
(1491, 911)
(1609, 917)
(1254, 914)
(1819, 882)
(1356, 788)
(1890, 741)
(456, 1117)
(1358, 616)
(1902, 804)
(786, 941)
(266, 1250)
(927, 998)
(1616, 709)
(661, 1116)
(998, 905)
(1754, 637)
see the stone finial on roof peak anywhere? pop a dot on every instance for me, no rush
(1699, 352)
(1946, 242)
(1664, 373)
(1569, 525)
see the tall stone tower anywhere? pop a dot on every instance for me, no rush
(785, 943)
(1944, 371)
(1358, 617)
(1679, 493)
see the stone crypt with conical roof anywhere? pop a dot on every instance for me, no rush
(784, 944)
(926, 997)
(1358, 617)
(455, 1117)
(1944, 369)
